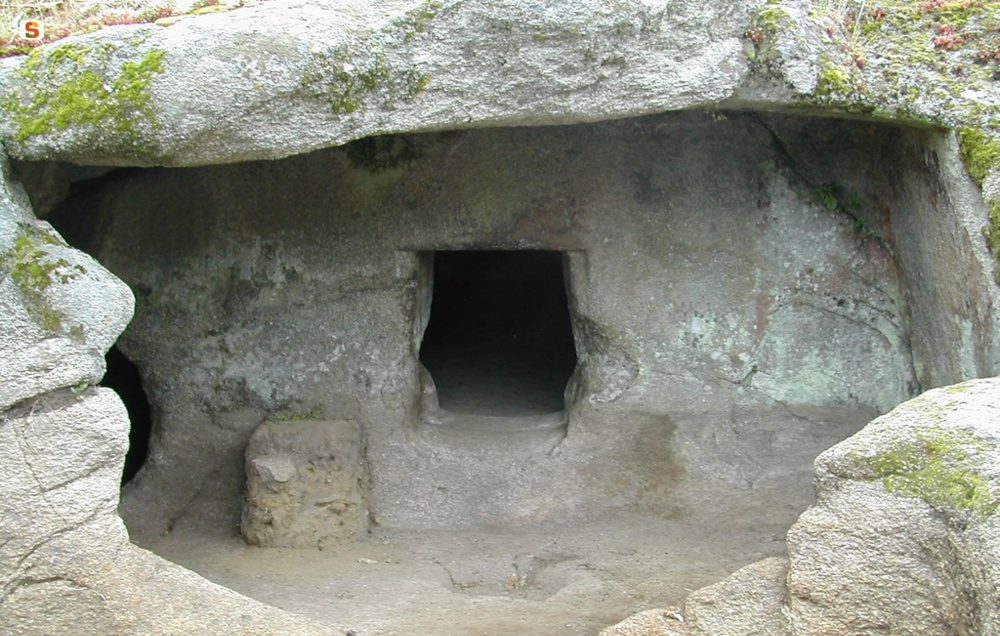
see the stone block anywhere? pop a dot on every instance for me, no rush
(305, 484)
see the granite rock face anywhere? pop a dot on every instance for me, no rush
(905, 534)
(220, 88)
(904, 537)
(750, 602)
(60, 310)
(735, 293)
(744, 288)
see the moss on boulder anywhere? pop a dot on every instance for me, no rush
(33, 271)
(78, 85)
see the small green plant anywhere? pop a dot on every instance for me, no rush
(416, 20)
(827, 196)
(764, 30)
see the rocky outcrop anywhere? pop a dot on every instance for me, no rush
(747, 328)
(905, 534)
(904, 537)
(219, 88)
(750, 602)
(908, 506)
(66, 564)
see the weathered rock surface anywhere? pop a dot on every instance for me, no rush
(218, 88)
(66, 564)
(657, 622)
(60, 310)
(750, 602)
(757, 316)
(60, 472)
(904, 537)
(779, 313)
(305, 485)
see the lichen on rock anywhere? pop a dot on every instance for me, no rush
(928, 61)
(354, 80)
(930, 448)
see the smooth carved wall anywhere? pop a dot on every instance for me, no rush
(744, 291)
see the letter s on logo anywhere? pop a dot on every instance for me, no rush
(32, 30)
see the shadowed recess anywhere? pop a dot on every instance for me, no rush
(499, 341)
(124, 378)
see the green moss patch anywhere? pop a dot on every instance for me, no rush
(416, 20)
(349, 88)
(981, 155)
(940, 466)
(317, 412)
(33, 272)
(69, 86)
(927, 60)
(763, 34)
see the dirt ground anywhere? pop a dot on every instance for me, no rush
(572, 579)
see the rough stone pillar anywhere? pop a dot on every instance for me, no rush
(305, 484)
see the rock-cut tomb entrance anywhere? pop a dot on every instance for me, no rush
(533, 377)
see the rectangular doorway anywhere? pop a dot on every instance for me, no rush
(499, 341)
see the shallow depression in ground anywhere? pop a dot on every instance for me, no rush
(543, 580)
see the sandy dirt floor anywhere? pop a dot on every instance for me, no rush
(547, 580)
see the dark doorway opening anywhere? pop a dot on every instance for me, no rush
(124, 378)
(499, 341)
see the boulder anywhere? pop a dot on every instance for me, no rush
(60, 310)
(61, 469)
(657, 622)
(904, 535)
(219, 88)
(305, 484)
(750, 602)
